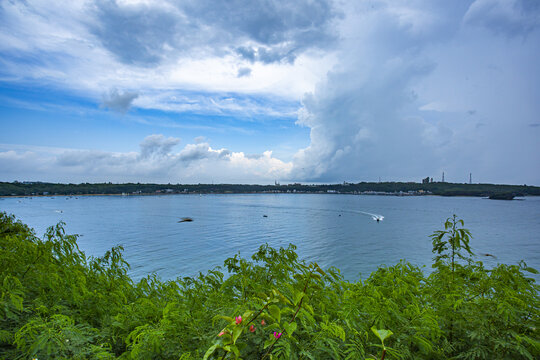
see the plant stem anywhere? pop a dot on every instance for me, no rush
(257, 315)
(294, 316)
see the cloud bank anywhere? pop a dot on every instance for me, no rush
(399, 103)
(156, 162)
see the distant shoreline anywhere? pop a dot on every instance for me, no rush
(240, 193)
(26, 189)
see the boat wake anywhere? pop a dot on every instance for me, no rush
(375, 217)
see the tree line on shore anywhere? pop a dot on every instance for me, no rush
(435, 188)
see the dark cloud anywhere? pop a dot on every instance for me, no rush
(359, 131)
(157, 145)
(534, 125)
(360, 121)
(137, 34)
(119, 101)
(267, 22)
(201, 151)
(268, 55)
(365, 121)
(145, 35)
(247, 53)
(510, 17)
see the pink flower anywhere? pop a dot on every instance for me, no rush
(221, 333)
(263, 322)
(252, 328)
(277, 335)
(238, 320)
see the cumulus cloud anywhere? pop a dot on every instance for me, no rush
(398, 104)
(356, 115)
(119, 101)
(200, 151)
(155, 162)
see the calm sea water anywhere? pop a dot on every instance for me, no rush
(333, 230)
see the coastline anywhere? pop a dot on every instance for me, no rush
(246, 193)
(25, 189)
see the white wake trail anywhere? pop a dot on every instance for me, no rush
(376, 217)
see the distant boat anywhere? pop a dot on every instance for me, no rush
(502, 196)
(265, 215)
(185, 219)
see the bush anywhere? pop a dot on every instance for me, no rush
(56, 303)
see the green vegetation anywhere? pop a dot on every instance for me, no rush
(57, 303)
(436, 188)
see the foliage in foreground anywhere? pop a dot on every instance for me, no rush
(56, 303)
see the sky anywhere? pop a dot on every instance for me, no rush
(243, 91)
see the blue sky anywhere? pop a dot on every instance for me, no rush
(256, 91)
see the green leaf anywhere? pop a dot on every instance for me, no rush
(237, 330)
(381, 334)
(298, 296)
(210, 351)
(247, 314)
(234, 349)
(275, 312)
(319, 270)
(268, 342)
(423, 344)
(290, 328)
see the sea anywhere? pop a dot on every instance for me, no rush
(334, 230)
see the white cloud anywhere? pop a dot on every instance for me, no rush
(148, 47)
(156, 162)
